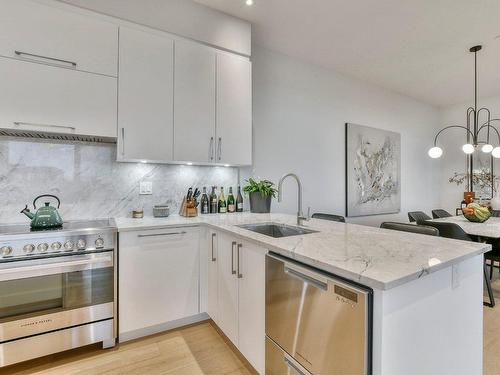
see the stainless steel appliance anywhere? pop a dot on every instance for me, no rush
(316, 323)
(57, 288)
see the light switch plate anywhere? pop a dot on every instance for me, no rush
(145, 188)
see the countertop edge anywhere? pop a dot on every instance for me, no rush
(372, 283)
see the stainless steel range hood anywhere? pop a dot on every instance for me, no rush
(62, 137)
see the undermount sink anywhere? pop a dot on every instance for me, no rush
(276, 230)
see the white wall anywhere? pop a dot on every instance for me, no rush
(182, 17)
(299, 113)
(451, 141)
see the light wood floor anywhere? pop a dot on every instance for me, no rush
(198, 350)
(195, 350)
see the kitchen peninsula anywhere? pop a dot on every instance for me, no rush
(427, 291)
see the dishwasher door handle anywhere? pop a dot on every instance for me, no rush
(309, 277)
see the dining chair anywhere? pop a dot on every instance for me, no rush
(454, 231)
(418, 216)
(405, 227)
(439, 213)
(330, 217)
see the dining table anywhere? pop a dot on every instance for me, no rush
(490, 229)
(487, 231)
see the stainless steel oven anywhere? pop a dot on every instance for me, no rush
(57, 291)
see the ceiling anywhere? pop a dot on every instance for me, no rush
(415, 47)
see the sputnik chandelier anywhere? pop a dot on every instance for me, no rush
(477, 133)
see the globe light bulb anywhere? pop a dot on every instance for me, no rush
(436, 152)
(468, 148)
(487, 148)
(496, 152)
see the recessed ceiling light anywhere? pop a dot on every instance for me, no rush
(189, 163)
(226, 165)
(144, 161)
(249, 2)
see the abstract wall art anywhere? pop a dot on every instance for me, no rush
(373, 171)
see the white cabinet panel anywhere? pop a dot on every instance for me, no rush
(158, 277)
(194, 104)
(145, 96)
(46, 98)
(227, 288)
(57, 37)
(234, 110)
(251, 304)
(212, 277)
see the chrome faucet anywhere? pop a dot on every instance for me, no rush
(300, 215)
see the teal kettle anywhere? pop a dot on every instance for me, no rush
(46, 216)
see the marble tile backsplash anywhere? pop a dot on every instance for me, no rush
(89, 181)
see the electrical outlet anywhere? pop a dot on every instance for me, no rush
(145, 188)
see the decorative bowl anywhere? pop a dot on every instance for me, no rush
(473, 218)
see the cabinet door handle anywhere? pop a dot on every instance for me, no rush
(32, 56)
(211, 149)
(19, 123)
(123, 141)
(233, 271)
(219, 149)
(213, 256)
(160, 234)
(240, 275)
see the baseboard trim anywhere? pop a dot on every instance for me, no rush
(132, 335)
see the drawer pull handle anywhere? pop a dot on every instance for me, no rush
(19, 123)
(213, 256)
(31, 55)
(160, 234)
(240, 275)
(233, 271)
(295, 367)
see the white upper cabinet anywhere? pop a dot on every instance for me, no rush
(145, 96)
(234, 110)
(41, 33)
(44, 98)
(194, 104)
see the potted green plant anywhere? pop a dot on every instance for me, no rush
(260, 194)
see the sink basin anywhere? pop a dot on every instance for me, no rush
(276, 230)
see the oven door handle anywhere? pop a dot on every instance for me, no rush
(82, 263)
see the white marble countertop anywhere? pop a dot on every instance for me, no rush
(490, 228)
(379, 258)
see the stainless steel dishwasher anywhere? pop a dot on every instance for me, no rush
(316, 323)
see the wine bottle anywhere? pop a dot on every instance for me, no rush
(222, 202)
(239, 201)
(231, 204)
(213, 201)
(205, 205)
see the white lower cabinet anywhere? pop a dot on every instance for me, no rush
(212, 278)
(240, 312)
(159, 274)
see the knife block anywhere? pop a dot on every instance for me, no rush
(188, 208)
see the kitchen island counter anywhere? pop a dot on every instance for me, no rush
(379, 258)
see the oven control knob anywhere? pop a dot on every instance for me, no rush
(29, 248)
(43, 247)
(99, 243)
(68, 245)
(81, 244)
(56, 246)
(5, 250)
